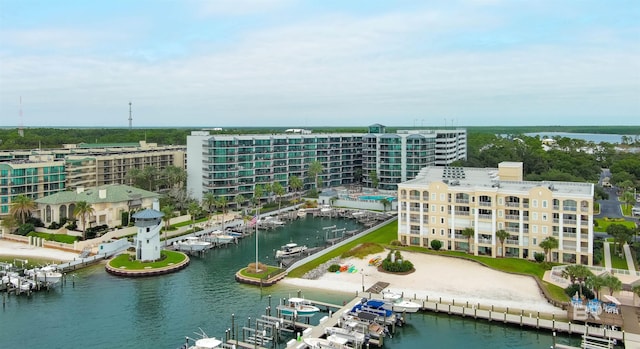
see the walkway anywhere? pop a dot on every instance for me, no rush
(607, 256)
(629, 257)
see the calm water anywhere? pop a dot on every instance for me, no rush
(104, 311)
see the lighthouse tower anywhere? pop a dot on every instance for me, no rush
(149, 223)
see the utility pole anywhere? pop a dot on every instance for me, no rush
(130, 118)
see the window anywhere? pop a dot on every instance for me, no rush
(433, 231)
(433, 196)
(442, 208)
(500, 201)
(500, 213)
(534, 229)
(545, 204)
(442, 232)
(441, 220)
(500, 225)
(441, 196)
(535, 242)
(544, 217)
(544, 229)
(534, 216)
(535, 203)
(433, 208)
(433, 220)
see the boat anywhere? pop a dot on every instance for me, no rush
(192, 244)
(207, 343)
(47, 274)
(373, 310)
(325, 208)
(298, 307)
(219, 237)
(348, 335)
(394, 301)
(302, 213)
(289, 250)
(328, 343)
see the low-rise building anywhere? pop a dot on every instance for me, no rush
(442, 201)
(108, 203)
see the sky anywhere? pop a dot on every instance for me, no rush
(319, 63)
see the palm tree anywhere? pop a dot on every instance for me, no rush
(295, 183)
(612, 283)
(221, 202)
(168, 212)
(577, 273)
(21, 207)
(10, 223)
(596, 283)
(239, 200)
(82, 210)
(279, 191)
(174, 176)
(385, 203)
(193, 210)
(209, 201)
(468, 233)
(502, 235)
(258, 192)
(315, 168)
(548, 244)
(268, 188)
(375, 181)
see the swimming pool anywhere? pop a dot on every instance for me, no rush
(376, 197)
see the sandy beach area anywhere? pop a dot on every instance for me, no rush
(436, 276)
(17, 249)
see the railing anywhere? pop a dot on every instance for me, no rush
(512, 217)
(413, 197)
(484, 216)
(462, 213)
(484, 241)
(511, 242)
(512, 204)
(484, 203)
(569, 235)
(569, 221)
(462, 201)
(570, 208)
(513, 229)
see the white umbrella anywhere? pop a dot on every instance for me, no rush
(612, 299)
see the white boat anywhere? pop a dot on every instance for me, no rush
(394, 301)
(302, 213)
(298, 307)
(207, 343)
(47, 274)
(348, 335)
(289, 250)
(219, 237)
(192, 244)
(271, 221)
(329, 343)
(325, 208)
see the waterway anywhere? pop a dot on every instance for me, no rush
(589, 137)
(105, 311)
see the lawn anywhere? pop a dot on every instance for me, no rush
(185, 223)
(626, 210)
(170, 257)
(617, 262)
(602, 224)
(271, 270)
(67, 239)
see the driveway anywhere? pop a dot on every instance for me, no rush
(610, 207)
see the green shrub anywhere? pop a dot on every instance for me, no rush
(25, 229)
(395, 243)
(539, 256)
(398, 265)
(573, 288)
(333, 268)
(436, 245)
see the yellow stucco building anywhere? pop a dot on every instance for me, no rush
(442, 201)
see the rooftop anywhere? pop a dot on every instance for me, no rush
(104, 193)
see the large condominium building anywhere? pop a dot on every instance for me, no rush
(442, 201)
(35, 177)
(228, 165)
(40, 172)
(109, 164)
(393, 158)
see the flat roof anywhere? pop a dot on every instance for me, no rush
(472, 179)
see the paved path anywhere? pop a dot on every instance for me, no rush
(629, 257)
(607, 256)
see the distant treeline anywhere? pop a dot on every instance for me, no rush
(55, 137)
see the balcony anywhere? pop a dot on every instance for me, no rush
(484, 216)
(512, 217)
(414, 197)
(462, 213)
(569, 221)
(485, 203)
(484, 241)
(513, 229)
(462, 201)
(511, 241)
(512, 204)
